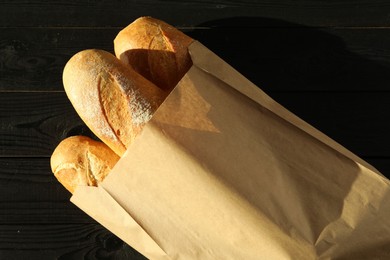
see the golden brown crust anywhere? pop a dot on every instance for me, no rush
(116, 98)
(113, 100)
(81, 161)
(156, 50)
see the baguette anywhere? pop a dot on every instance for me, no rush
(81, 161)
(154, 49)
(113, 100)
(116, 96)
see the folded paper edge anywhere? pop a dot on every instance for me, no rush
(218, 67)
(89, 198)
(209, 62)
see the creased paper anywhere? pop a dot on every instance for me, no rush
(224, 172)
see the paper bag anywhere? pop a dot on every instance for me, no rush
(222, 171)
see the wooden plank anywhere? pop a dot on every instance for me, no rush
(293, 59)
(192, 13)
(29, 180)
(33, 123)
(29, 193)
(41, 242)
(33, 59)
(326, 62)
(40, 212)
(358, 120)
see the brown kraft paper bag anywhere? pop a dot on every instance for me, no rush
(222, 171)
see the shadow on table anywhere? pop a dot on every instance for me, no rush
(279, 55)
(283, 57)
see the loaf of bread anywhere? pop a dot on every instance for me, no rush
(113, 100)
(117, 96)
(81, 161)
(156, 50)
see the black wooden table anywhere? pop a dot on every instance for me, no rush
(327, 62)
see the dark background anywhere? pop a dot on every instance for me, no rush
(326, 61)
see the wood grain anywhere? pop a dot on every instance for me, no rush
(293, 59)
(23, 13)
(29, 193)
(358, 120)
(33, 59)
(328, 62)
(33, 123)
(77, 241)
